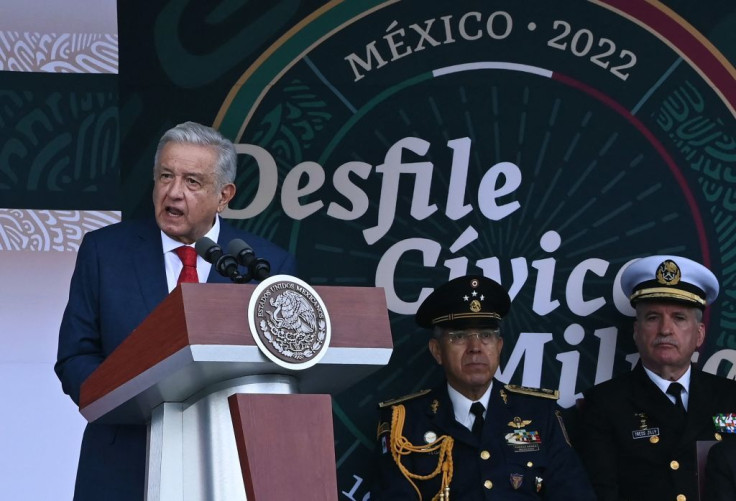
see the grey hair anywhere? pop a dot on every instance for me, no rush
(195, 133)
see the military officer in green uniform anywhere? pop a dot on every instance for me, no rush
(474, 438)
(639, 430)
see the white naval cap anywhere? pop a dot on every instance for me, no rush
(669, 278)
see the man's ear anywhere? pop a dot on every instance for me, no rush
(435, 350)
(701, 334)
(226, 194)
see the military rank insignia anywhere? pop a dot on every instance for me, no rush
(383, 433)
(516, 479)
(519, 423)
(435, 406)
(725, 423)
(538, 483)
(644, 431)
(521, 439)
(384, 444)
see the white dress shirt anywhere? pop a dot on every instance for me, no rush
(173, 263)
(663, 384)
(461, 405)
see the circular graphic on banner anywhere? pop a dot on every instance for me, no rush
(454, 137)
(543, 143)
(289, 322)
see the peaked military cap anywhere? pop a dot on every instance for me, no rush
(669, 278)
(464, 302)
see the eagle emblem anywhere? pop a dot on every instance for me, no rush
(668, 273)
(289, 321)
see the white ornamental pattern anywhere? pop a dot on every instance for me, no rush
(49, 230)
(58, 53)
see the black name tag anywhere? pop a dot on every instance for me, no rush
(649, 432)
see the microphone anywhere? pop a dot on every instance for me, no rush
(260, 269)
(225, 264)
(242, 251)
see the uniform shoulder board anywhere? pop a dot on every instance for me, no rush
(534, 392)
(398, 400)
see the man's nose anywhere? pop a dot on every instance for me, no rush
(176, 188)
(473, 341)
(666, 327)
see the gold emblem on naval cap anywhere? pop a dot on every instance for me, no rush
(668, 273)
(475, 306)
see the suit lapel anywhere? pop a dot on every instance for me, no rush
(646, 395)
(147, 260)
(498, 417)
(698, 407)
(444, 418)
(147, 257)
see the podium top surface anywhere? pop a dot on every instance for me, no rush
(199, 336)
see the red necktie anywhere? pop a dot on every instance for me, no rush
(188, 258)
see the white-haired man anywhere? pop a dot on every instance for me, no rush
(638, 431)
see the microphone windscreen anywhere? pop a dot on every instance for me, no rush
(236, 246)
(203, 246)
(261, 269)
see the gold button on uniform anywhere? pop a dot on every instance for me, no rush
(674, 465)
(718, 436)
(654, 439)
(529, 464)
(488, 484)
(485, 455)
(681, 497)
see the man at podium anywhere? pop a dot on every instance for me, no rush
(474, 438)
(125, 270)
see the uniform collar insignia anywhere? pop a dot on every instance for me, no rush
(435, 406)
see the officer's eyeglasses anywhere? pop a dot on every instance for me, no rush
(462, 338)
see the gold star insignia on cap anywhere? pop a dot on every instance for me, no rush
(465, 302)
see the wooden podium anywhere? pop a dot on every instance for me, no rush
(225, 422)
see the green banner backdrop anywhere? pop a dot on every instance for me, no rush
(402, 143)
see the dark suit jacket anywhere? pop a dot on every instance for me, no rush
(119, 278)
(554, 462)
(634, 445)
(720, 471)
